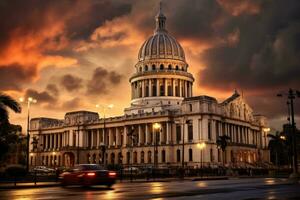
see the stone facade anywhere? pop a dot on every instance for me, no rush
(161, 93)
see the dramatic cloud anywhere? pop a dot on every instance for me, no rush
(13, 76)
(102, 81)
(250, 45)
(71, 83)
(52, 88)
(42, 97)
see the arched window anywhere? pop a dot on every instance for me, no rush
(178, 155)
(182, 68)
(163, 156)
(177, 67)
(153, 67)
(142, 157)
(170, 67)
(146, 67)
(149, 157)
(140, 69)
(161, 67)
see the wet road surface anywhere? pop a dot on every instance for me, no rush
(221, 189)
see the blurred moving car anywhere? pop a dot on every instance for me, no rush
(43, 170)
(87, 175)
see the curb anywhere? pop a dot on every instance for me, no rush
(11, 187)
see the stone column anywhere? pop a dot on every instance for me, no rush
(167, 132)
(185, 89)
(146, 134)
(140, 135)
(157, 87)
(166, 87)
(117, 136)
(125, 136)
(150, 82)
(173, 87)
(110, 137)
(143, 88)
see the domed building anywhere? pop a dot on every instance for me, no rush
(164, 126)
(162, 79)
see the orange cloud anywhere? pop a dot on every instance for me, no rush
(238, 7)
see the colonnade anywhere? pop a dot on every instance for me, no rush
(161, 87)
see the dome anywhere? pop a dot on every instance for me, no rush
(161, 44)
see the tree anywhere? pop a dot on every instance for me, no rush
(7, 102)
(222, 143)
(8, 132)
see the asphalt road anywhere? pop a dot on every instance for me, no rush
(221, 189)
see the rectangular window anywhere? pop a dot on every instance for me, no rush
(178, 155)
(217, 129)
(74, 138)
(162, 90)
(170, 90)
(190, 132)
(209, 130)
(178, 133)
(211, 155)
(190, 155)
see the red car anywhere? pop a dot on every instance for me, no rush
(87, 175)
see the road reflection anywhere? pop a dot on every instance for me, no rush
(156, 188)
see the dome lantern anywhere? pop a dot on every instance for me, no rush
(160, 20)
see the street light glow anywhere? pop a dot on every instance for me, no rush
(201, 145)
(156, 126)
(266, 129)
(282, 137)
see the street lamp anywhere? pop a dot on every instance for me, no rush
(104, 109)
(291, 95)
(29, 101)
(201, 146)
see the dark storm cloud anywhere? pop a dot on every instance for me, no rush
(41, 97)
(266, 54)
(12, 77)
(71, 82)
(102, 80)
(52, 88)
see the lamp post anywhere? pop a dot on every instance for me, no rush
(291, 95)
(29, 101)
(156, 129)
(201, 146)
(104, 109)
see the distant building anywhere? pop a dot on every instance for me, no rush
(161, 92)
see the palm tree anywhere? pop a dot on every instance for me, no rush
(222, 143)
(7, 102)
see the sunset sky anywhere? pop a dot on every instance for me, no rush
(71, 55)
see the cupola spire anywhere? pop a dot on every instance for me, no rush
(160, 20)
